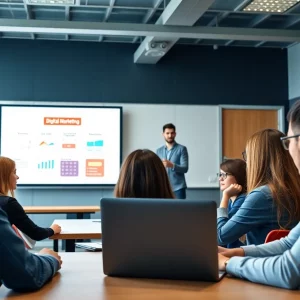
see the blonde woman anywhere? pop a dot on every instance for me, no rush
(15, 212)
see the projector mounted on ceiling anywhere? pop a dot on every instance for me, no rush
(156, 49)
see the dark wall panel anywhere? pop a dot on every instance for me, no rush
(100, 72)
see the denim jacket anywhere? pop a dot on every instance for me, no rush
(180, 158)
(21, 270)
(256, 217)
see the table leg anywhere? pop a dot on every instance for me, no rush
(70, 245)
(80, 216)
(55, 245)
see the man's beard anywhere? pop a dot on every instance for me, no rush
(170, 141)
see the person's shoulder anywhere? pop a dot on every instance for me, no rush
(264, 189)
(6, 199)
(260, 196)
(160, 148)
(181, 146)
(12, 199)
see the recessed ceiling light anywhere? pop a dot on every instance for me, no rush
(270, 5)
(53, 2)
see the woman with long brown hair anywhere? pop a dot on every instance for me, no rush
(143, 175)
(272, 187)
(15, 212)
(276, 263)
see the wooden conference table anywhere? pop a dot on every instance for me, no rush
(81, 277)
(73, 230)
(78, 210)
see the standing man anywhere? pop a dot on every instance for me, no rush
(175, 159)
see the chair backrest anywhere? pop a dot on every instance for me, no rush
(27, 246)
(276, 235)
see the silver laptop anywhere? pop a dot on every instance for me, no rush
(160, 238)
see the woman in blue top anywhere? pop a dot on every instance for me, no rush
(232, 178)
(272, 190)
(276, 263)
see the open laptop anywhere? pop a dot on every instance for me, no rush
(160, 238)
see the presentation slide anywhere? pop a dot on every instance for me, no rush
(63, 145)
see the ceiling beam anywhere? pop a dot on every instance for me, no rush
(291, 22)
(67, 13)
(177, 12)
(258, 20)
(217, 19)
(106, 17)
(161, 31)
(149, 15)
(109, 10)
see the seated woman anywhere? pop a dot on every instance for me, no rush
(272, 192)
(232, 178)
(15, 212)
(143, 175)
(276, 263)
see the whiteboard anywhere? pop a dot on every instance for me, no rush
(197, 128)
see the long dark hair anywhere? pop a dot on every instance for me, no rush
(143, 175)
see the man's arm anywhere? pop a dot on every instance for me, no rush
(21, 270)
(184, 162)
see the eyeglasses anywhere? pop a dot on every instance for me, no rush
(244, 156)
(286, 141)
(223, 175)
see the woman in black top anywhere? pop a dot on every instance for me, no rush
(15, 212)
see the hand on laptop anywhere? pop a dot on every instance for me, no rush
(231, 252)
(52, 253)
(222, 259)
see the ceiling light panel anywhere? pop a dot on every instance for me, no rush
(270, 5)
(53, 2)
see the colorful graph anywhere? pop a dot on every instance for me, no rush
(43, 143)
(69, 167)
(94, 167)
(49, 164)
(98, 143)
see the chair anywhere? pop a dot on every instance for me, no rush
(276, 235)
(28, 242)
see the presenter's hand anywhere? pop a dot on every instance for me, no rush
(56, 228)
(52, 253)
(233, 190)
(167, 163)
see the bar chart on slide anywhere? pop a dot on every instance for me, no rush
(98, 143)
(47, 164)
